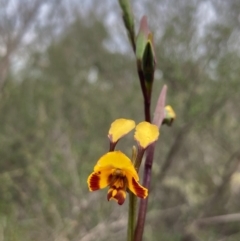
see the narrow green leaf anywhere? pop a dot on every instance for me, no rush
(128, 20)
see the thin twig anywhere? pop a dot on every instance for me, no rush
(228, 218)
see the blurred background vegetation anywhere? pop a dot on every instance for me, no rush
(67, 71)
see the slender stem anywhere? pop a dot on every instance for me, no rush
(147, 111)
(147, 99)
(157, 120)
(131, 215)
(144, 202)
(132, 201)
(134, 155)
(132, 198)
(139, 157)
(112, 146)
(132, 40)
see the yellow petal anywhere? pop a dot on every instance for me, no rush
(146, 134)
(115, 160)
(120, 128)
(136, 188)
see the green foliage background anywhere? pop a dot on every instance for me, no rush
(55, 114)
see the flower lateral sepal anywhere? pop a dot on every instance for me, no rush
(138, 189)
(145, 134)
(120, 128)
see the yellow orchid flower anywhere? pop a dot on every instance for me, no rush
(116, 170)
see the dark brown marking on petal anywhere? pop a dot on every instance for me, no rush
(120, 196)
(110, 179)
(140, 191)
(94, 182)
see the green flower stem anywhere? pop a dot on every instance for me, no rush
(131, 215)
(134, 155)
(139, 157)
